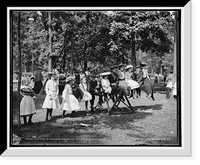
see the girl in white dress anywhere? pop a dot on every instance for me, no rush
(69, 102)
(27, 105)
(106, 84)
(131, 84)
(51, 100)
(175, 90)
(86, 95)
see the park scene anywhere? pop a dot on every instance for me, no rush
(94, 78)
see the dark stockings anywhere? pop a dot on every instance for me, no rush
(29, 121)
(49, 113)
(86, 104)
(63, 113)
(138, 91)
(132, 93)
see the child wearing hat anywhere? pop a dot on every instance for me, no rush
(131, 84)
(105, 84)
(27, 105)
(51, 100)
(70, 102)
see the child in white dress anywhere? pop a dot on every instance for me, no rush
(106, 84)
(69, 102)
(27, 105)
(131, 84)
(51, 100)
(86, 95)
(175, 90)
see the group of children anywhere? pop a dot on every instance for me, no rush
(90, 87)
(69, 102)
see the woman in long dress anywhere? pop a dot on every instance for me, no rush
(147, 82)
(70, 103)
(27, 105)
(86, 95)
(38, 81)
(51, 100)
(131, 84)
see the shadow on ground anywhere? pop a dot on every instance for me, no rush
(92, 129)
(148, 107)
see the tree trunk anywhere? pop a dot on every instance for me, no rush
(140, 55)
(19, 78)
(32, 63)
(175, 47)
(65, 52)
(85, 60)
(72, 53)
(133, 50)
(64, 61)
(50, 44)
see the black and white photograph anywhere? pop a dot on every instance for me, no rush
(95, 77)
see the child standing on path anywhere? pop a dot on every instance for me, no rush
(51, 100)
(69, 102)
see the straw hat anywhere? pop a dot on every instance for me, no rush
(26, 89)
(69, 78)
(105, 73)
(128, 66)
(143, 64)
(52, 73)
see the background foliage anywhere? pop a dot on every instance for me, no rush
(98, 38)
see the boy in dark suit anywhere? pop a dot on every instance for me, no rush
(92, 88)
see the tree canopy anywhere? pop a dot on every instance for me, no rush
(98, 37)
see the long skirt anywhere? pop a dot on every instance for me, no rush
(70, 103)
(37, 87)
(27, 106)
(51, 101)
(148, 87)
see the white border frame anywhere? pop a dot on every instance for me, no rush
(185, 150)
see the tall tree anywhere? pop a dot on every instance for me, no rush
(147, 29)
(19, 80)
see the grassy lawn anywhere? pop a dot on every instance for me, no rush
(153, 123)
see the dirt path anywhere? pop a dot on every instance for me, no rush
(154, 123)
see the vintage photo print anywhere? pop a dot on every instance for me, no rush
(97, 79)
